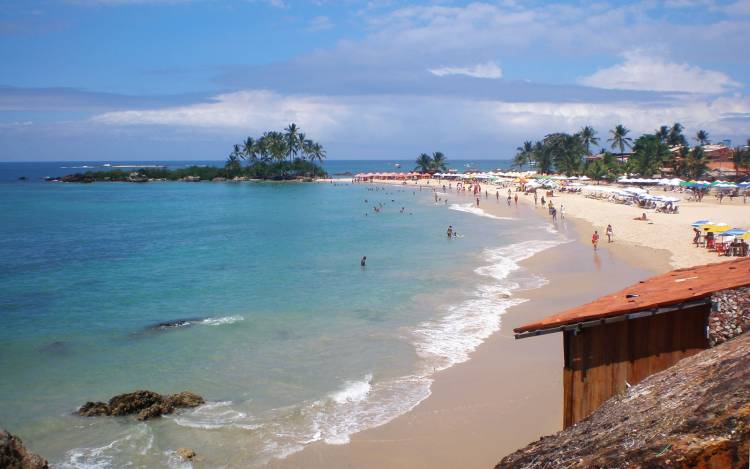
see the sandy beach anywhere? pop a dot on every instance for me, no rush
(509, 393)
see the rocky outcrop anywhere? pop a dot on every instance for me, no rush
(186, 454)
(14, 455)
(730, 314)
(695, 414)
(145, 404)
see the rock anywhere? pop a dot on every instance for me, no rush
(156, 410)
(693, 414)
(146, 404)
(93, 409)
(186, 453)
(185, 399)
(14, 455)
(133, 402)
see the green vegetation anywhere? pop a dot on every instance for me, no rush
(275, 155)
(431, 164)
(666, 150)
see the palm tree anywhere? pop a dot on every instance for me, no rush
(675, 136)
(696, 163)
(524, 154)
(292, 140)
(588, 137)
(620, 139)
(702, 137)
(277, 146)
(250, 150)
(542, 158)
(424, 163)
(439, 162)
(316, 152)
(663, 134)
(232, 164)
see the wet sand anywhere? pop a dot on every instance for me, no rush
(510, 392)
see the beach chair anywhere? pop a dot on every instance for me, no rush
(720, 249)
(710, 243)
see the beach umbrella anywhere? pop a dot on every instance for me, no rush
(716, 228)
(734, 232)
(698, 223)
(746, 236)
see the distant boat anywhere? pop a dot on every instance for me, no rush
(398, 165)
(107, 165)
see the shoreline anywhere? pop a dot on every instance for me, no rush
(477, 424)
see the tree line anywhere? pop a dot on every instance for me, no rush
(565, 153)
(431, 164)
(277, 155)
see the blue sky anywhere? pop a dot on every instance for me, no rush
(184, 79)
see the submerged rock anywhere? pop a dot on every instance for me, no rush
(14, 455)
(693, 414)
(146, 404)
(186, 453)
(175, 323)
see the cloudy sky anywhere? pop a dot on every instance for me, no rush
(184, 79)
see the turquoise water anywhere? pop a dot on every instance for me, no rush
(288, 339)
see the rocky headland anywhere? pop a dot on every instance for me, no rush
(14, 455)
(695, 414)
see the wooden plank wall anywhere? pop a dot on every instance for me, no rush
(599, 360)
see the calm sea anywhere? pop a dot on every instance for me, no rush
(286, 337)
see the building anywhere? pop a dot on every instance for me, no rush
(620, 339)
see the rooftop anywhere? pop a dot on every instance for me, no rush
(672, 288)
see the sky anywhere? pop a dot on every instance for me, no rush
(372, 79)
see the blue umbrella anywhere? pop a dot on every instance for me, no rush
(698, 223)
(734, 232)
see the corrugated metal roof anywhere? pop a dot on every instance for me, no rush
(663, 290)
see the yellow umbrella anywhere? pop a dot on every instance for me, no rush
(716, 228)
(746, 236)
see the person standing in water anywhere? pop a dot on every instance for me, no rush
(363, 262)
(450, 231)
(610, 233)
(595, 239)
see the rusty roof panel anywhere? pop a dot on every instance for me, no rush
(663, 290)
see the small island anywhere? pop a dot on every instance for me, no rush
(275, 156)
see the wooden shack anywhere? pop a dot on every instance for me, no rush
(620, 339)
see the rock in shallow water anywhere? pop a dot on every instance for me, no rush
(14, 455)
(146, 404)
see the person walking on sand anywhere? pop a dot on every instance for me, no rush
(595, 240)
(509, 199)
(610, 233)
(562, 212)
(536, 198)
(497, 196)
(516, 199)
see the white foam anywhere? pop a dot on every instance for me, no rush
(138, 439)
(470, 208)
(353, 391)
(450, 339)
(215, 415)
(221, 321)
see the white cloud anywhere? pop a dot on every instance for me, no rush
(402, 118)
(319, 23)
(641, 71)
(485, 70)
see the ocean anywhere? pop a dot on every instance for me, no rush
(287, 338)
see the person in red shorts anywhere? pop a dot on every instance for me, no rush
(595, 239)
